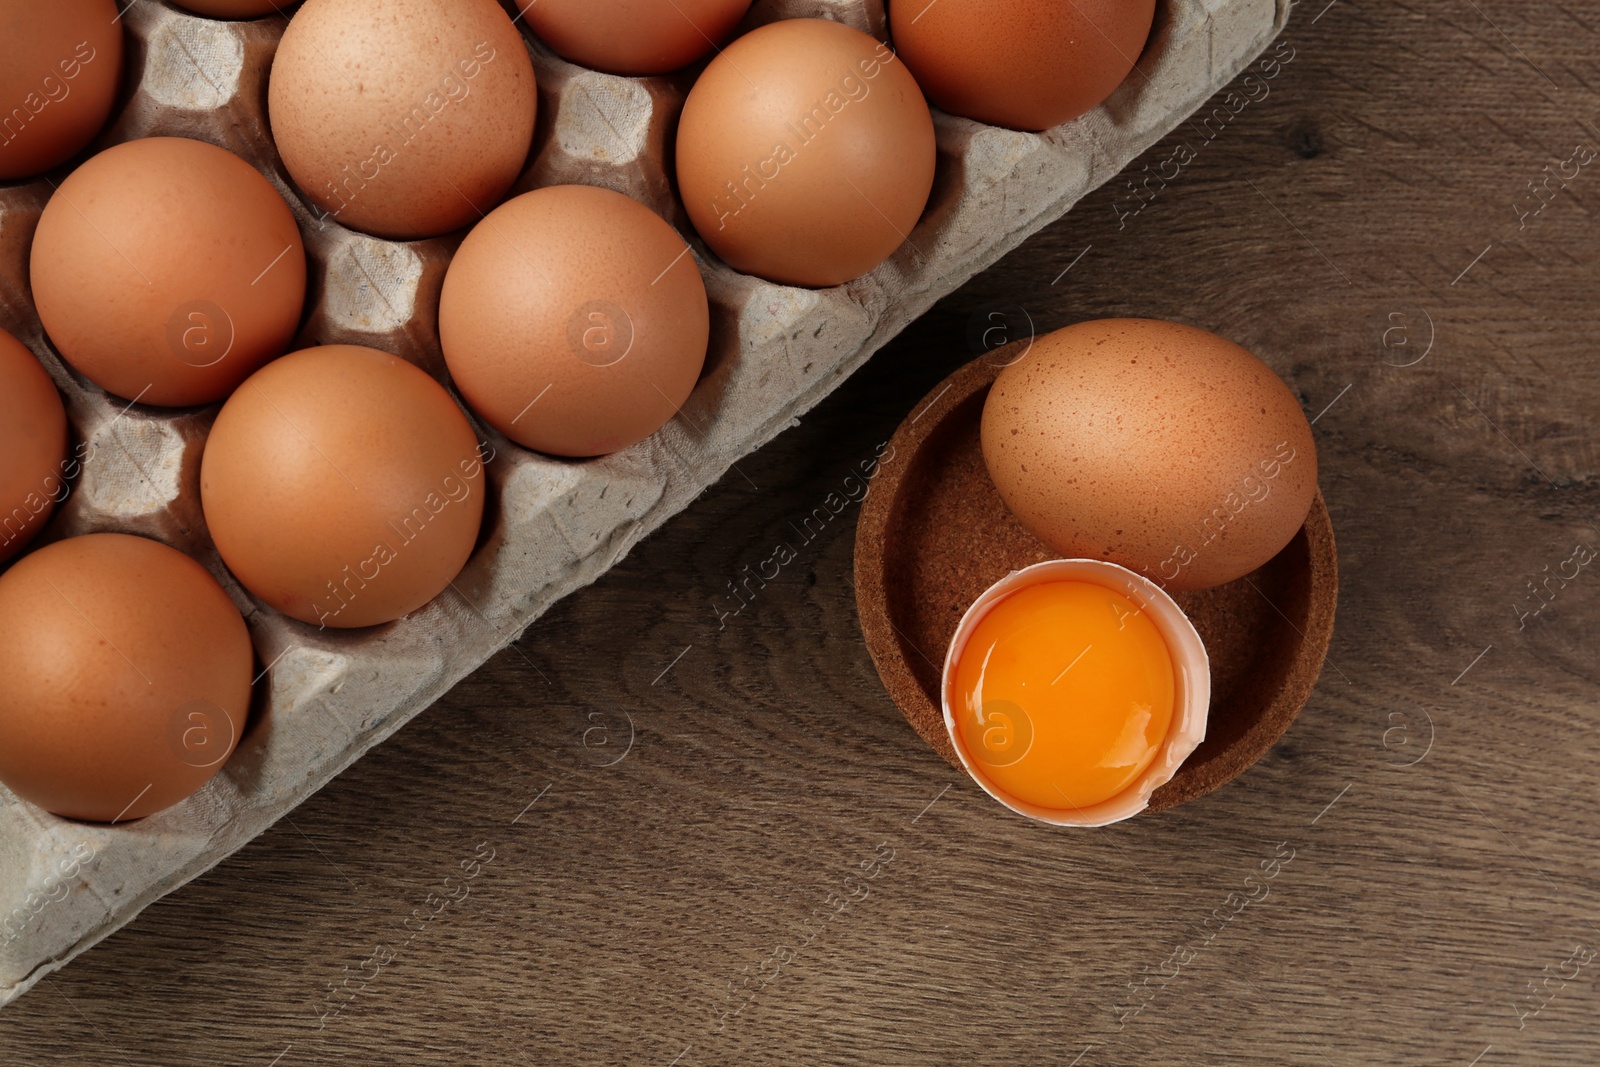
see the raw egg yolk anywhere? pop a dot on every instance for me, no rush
(1063, 694)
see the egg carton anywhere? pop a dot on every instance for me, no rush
(326, 697)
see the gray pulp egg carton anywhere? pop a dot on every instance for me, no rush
(326, 697)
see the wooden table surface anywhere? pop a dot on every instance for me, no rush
(651, 839)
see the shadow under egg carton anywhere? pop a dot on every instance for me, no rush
(552, 525)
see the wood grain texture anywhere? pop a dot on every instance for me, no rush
(703, 900)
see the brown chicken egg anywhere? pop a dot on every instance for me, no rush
(805, 153)
(1160, 447)
(1027, 64)
(343, 486)
(574, 320)
(124, 677)
(34, 468)
(167, 270)
(402, 118)
(634, 36)
(60, 65)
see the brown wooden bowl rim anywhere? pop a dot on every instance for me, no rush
(887, 644)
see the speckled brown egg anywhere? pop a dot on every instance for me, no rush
(634, 37)
(125, 677)
(60, 65)
(34, 468)
(1158, 446)
(402, 118)
(166, 270)
(343, 486)
(574, 320)
(1027, 64)
(805, 153)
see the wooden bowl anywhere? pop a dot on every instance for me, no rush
(934, 534)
